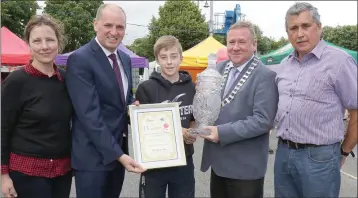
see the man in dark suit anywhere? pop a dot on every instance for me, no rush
(100, 86)
(237, 149)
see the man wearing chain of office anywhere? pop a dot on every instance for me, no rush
(237, 148)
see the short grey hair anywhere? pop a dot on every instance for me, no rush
(103, 6)
(300, 7)
(245, 24)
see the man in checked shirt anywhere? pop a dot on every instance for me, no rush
(316, 84)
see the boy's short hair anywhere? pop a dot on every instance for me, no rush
(166, 42)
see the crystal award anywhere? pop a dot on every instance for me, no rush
(207, 99)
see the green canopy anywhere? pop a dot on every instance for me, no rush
(275, 57)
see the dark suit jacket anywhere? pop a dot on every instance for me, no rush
(100, 117)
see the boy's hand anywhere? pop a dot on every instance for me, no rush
(188, 139)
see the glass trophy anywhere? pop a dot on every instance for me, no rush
(207, 99)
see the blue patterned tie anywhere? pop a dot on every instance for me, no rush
(118, 75)
(233, 73)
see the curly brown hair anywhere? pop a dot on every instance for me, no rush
(45, 19)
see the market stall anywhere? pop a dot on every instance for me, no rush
(195, 59)
(14, 51)
(137, 61)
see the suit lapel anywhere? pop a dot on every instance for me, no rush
(124, 65)
(126, 68)
(105, 64)
(103, 60)
(221, 71)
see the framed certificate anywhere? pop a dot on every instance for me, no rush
(157, 135)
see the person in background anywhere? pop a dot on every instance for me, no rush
(316, 84)
(99, 81)
(35, 119)
(171, 85)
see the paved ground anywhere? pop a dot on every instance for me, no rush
(348, 189)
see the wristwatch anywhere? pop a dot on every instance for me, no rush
(344, 153)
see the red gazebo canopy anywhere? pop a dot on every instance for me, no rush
(14, 51)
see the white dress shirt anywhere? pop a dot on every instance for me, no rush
(123, 74)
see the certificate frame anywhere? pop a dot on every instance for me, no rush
(157, 135)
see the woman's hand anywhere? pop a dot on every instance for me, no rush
(7, 187)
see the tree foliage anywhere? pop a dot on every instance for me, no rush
(16, 14)
(263, 42)
(77, 17)
(143, 47)
(280, 43)
(220, 38)
(181, 19)
(343, 36)
(267, 44)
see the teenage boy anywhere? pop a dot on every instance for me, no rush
(171, 85)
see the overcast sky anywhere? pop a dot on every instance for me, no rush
(268, 15)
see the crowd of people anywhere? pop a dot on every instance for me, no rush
(56, 124)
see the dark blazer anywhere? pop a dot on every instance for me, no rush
(243, 127)
(100, 117)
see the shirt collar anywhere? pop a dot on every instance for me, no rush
(106, 51)
(30, 69)
(317, 50)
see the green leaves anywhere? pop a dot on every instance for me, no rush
(267, 44)
(181, 19)
(16, 14)
(343, 36)
(220, 38)
(77, 17)
(143, 47)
